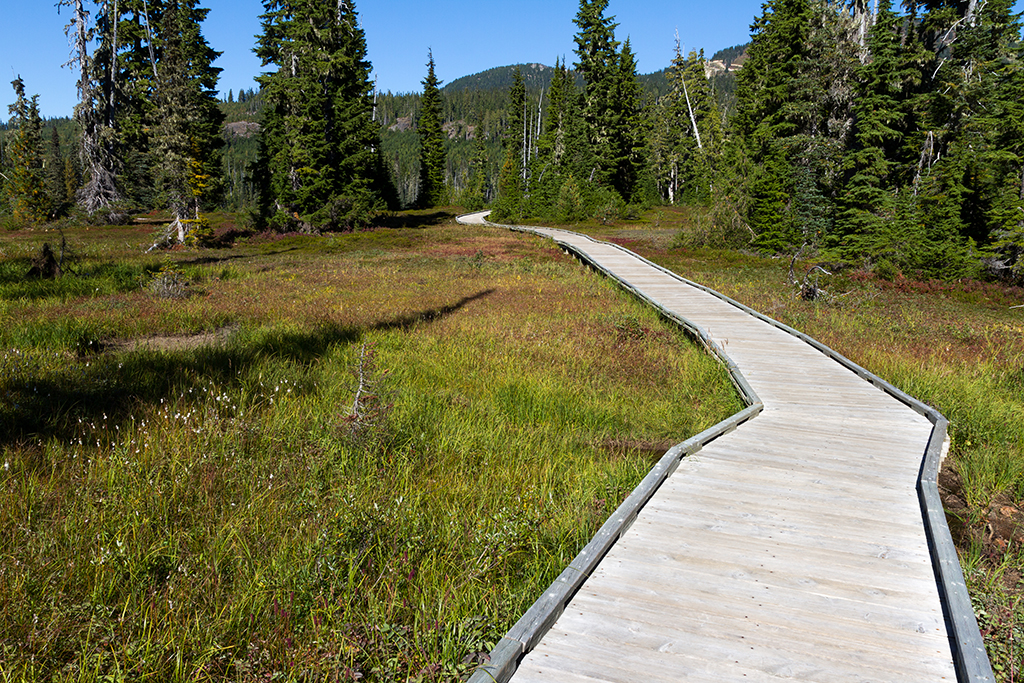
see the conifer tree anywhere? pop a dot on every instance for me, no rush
(55, 175)
(124, 75)
(612, 100)
(187, 140)
(511, 180)
(776, 53)
(998, 131)
(475, 196)
(320, 165)
(793, 114)
(973, 77)
(26, 188)
(626, 158)
(598, 63)
(433, 158)
(867, 223)
(686, 137)
(564, 162)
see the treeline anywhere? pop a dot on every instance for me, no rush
(868, 137)
(863, 135)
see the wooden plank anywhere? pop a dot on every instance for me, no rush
(895, 583)
(701, 600)
(613, 618)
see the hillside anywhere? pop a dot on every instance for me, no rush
(536, 76)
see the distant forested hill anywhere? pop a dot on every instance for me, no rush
(536, 76)
(731, 55)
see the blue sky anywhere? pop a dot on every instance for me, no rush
(466, 37)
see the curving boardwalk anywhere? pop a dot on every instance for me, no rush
(792, 548)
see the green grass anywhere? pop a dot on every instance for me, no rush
(231, 511)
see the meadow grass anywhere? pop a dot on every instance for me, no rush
(386, 445)
(958, 346)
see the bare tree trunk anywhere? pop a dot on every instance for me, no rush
(540, 115)
(672, 184)
(99, 190)
(693, 119)
(927, 154)
(526, 136)
(113, 68)
(149, 37)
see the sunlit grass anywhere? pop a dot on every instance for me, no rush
(231, 511)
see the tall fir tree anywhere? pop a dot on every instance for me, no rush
(685, 140)
(511, 179)
(564, 161)
(55, 192)
(776, 53)
(876, 170)
(26, 184)
(320, 166)
(998, 128)
(433, 156)
(475, 196)
(600, 66)
(124, 75)
(626, 160)
(957, 191)
(187, 137)
(793, 118)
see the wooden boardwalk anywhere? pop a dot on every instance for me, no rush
(792, 548)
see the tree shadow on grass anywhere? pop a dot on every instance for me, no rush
(412, 220)
(109, 387)
(208, 260)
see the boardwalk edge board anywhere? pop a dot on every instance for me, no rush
(970, 658)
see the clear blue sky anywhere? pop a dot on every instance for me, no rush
(466, 38)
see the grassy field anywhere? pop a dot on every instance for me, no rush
(359, 456)
(957, 346)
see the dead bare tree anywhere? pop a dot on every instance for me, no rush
(99, 190)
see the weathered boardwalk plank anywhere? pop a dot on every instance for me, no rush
(792, 548)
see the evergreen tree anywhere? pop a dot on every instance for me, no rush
(628, 119)
(124, 75)
(320, 165)
(433, 159)
(511, 179)
(26, 188)
(998, 127)
(611, 98)
(187, 140)
(793, 117)
(876, 170)
(565, 161)
(475, 196)
(764, 87)
(55, 191)
(963, 180)
(72, 177)
(598, 63)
